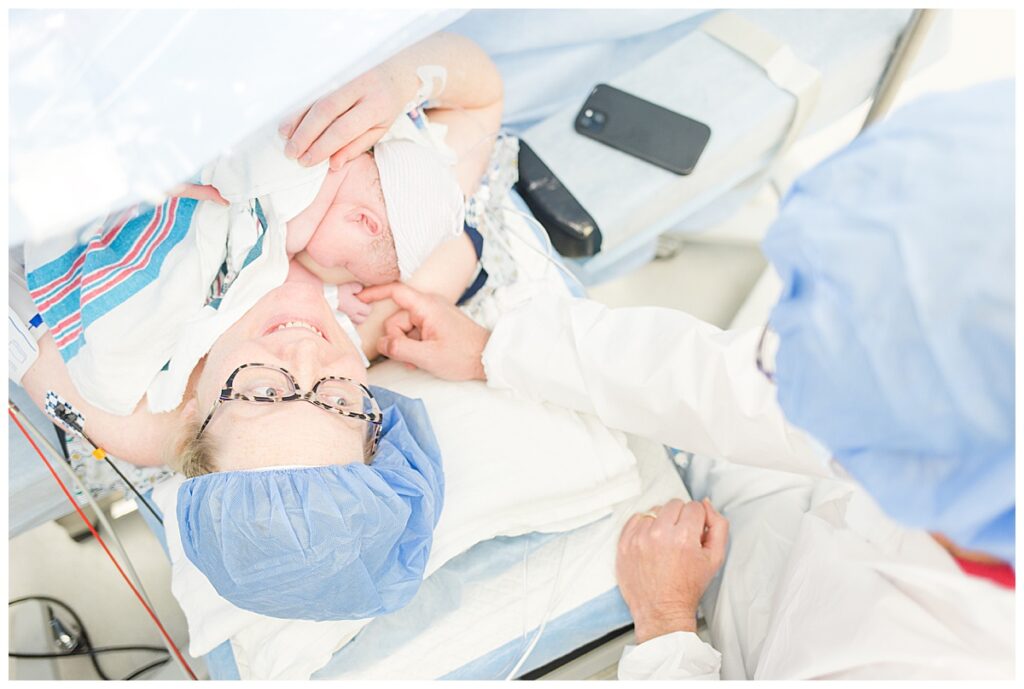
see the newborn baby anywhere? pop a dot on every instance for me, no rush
(372, 222)
(377, 219)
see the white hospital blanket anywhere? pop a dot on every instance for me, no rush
(558, 577)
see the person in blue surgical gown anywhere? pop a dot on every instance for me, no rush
(861, 445)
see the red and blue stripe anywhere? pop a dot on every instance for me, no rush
(90, 279)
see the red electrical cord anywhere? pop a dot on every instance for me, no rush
(81, 514)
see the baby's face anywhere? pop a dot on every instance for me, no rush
(353, 241)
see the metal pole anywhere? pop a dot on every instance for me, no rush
(903, 54)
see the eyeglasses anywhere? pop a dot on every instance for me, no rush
(263, 384)
(761, 358)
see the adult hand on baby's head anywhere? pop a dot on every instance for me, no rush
(430, 333)
(347, 121)
(665, 562)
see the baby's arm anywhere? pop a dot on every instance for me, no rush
(446, 272)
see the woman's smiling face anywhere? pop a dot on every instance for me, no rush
(293, 328)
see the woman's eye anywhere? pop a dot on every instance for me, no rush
(265, 391)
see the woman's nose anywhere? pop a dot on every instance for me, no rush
(303, 358)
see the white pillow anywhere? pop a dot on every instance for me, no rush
(511, 467)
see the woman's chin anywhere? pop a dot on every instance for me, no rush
(298, 289)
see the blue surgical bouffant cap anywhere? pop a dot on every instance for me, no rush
(333, 542)
(896, 321)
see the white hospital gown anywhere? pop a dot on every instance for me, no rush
(818, 582)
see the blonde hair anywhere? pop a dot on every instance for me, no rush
(194, 456)
(190, 455)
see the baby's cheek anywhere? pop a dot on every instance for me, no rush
(315, 249)
(331, 245)
(370, 273)
(298, 236)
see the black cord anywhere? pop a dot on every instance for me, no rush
(135, 490)
(143, 670)
(78, 621)
(83, 651)
(86, 647)
(131, 486)
(63, 439)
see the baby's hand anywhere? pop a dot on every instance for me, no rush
(200, 192)
(350, 305)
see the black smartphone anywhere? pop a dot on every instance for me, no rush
(570, 227)
(642, 129)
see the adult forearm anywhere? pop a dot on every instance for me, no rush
(135, 438)
(656, 373)
(472, 81)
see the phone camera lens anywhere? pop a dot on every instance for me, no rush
(592, 120)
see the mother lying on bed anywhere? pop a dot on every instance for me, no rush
(307, 482)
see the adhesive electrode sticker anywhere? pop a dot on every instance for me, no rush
(63, 414)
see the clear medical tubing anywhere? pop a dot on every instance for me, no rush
(553, 600)
(561, 586)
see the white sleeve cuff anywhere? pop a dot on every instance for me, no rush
(679, 655)
(497, 343)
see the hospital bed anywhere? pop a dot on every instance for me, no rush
(491, 572)
(478, 617)
(849, 48)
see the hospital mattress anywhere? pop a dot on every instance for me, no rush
(748, 114)
(476, 617)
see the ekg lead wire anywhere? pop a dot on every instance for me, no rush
(551, 248)
(529, 218)
(100, 514)
(66, 415)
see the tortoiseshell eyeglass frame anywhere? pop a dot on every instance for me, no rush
(228, 394)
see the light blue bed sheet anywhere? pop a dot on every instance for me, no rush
(566, 633)
(441, 594)
(588, 46)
